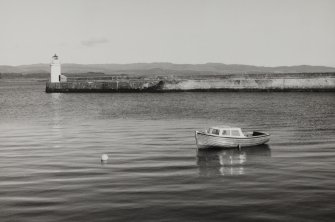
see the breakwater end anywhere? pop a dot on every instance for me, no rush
(318, 83)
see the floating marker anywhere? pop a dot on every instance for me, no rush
(104, 157)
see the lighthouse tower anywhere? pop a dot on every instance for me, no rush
(55, 69)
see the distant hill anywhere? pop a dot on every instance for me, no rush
(164, 69)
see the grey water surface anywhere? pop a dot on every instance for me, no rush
(51, 144)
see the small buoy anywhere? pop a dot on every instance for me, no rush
(104, 157)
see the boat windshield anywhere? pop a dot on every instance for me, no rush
(225, 132)
(213, 131)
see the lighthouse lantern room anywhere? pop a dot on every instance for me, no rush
(55, 69)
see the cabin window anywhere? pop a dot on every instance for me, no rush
(225, 133)
(215, 131)
(235, 133)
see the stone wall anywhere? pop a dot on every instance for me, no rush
(243, 84)
(103, 86)
(321, 84)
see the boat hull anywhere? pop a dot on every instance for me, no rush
(204, 140)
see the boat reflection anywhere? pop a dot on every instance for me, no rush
(230, 161)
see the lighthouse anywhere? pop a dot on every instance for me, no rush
(55, 69)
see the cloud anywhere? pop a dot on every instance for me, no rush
(94, 41)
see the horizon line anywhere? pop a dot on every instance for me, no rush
(172, 64)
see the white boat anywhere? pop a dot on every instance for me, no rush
(229, 137)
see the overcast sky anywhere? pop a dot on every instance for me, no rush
(255, 32)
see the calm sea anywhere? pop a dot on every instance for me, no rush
(51, 145)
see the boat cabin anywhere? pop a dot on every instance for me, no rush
(226, 131)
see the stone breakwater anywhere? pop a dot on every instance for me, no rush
(129, 85)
